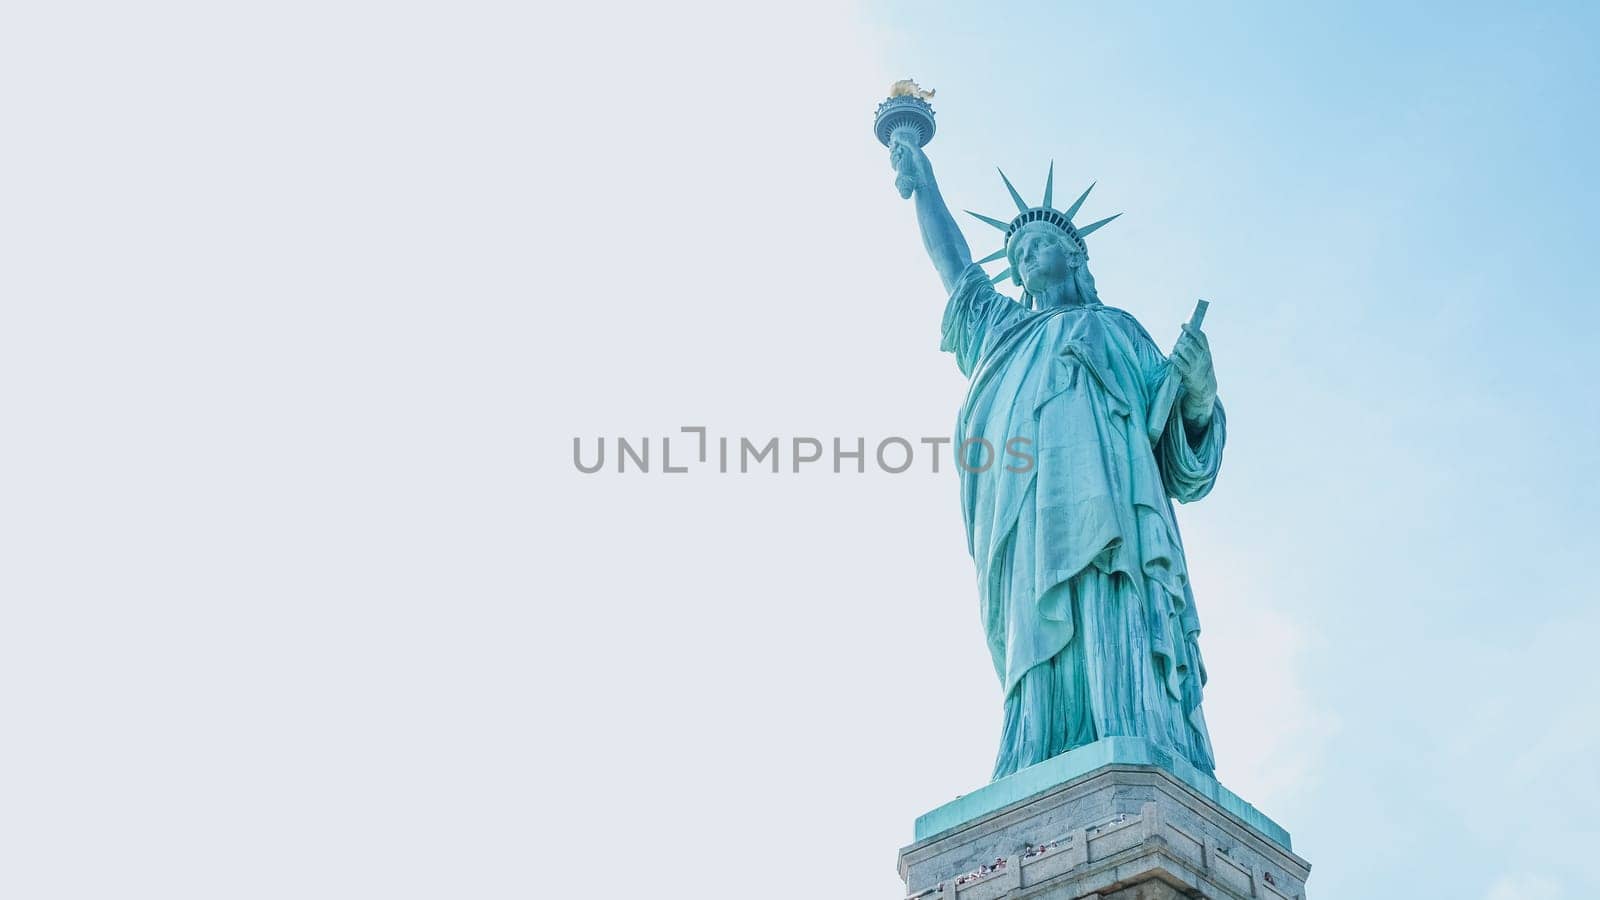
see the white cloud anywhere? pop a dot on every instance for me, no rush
(1268, 732)
(1525, 886)
(1526, 751)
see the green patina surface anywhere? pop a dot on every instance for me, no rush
(1077, 764)
(1083, 582)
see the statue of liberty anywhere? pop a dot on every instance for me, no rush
(1083, 589)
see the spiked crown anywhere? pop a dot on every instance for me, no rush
(1043, 214)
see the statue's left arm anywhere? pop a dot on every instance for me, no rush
(1190, 455)
(1188, 444)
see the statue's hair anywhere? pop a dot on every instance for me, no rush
(1086, 282)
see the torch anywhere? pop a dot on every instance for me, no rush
(905, 118)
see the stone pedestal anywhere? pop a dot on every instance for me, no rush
(1117, 820)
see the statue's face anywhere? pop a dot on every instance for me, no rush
(1043, 262)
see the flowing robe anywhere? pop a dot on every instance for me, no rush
(1084, 592)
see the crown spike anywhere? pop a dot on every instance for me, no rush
(993, 256)
(1004, 274)
(1073, 209)
(1022, 205)
(1049, 185)
(983, 218)
(1086, 230)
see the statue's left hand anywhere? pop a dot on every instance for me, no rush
(1192, 358)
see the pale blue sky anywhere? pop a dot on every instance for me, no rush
(1392, 208)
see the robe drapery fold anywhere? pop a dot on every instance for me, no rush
(1084, 591)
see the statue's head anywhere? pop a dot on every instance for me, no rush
(1043, 258)
(1044, 247)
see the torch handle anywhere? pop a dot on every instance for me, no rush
(911, 136)
(906, 134)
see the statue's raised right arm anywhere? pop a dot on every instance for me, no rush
(946, 245)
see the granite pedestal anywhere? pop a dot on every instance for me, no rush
(1116, 820)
